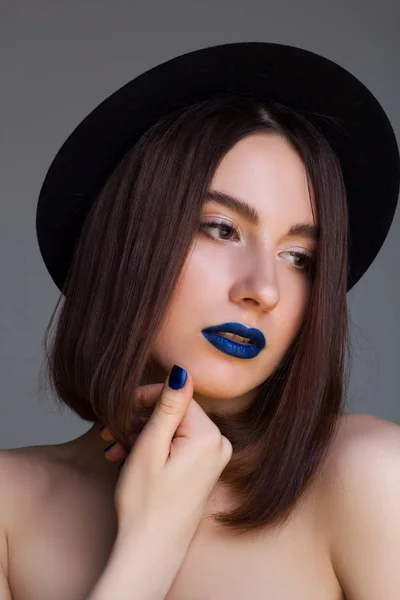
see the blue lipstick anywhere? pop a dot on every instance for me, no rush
(234, 348)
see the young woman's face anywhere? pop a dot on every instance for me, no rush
(243, 272)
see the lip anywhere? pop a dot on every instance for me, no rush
(236, 328)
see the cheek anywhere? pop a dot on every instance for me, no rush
(196, 291)
(201, 277)
(293, 308)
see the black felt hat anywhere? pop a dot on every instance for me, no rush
(357, 128)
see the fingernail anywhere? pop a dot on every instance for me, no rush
(108, 447)
(122, 464)
(177, 378)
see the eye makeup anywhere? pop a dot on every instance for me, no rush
(307, 257)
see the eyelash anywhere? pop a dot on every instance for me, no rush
(309, 258)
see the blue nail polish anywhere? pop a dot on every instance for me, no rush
(177, 378)
(108, 447)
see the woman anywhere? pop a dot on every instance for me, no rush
(223, 205)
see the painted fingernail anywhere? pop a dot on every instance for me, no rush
(122, 464)
(177, 377)
(108, 447)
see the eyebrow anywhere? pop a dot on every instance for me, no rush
(248, 212)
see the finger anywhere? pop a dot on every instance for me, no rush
(166, 417)
(145, 396)
(106, 435)
(114, 453)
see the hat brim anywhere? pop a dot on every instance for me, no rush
(349, 115)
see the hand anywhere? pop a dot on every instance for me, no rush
(146, 396)
(173, 466)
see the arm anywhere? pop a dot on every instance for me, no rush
(142, 566)
(365, 512)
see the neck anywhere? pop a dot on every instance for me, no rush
(86, 453)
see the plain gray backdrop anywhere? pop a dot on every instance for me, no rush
(61, 59)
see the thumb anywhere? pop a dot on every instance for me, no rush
(175, 397)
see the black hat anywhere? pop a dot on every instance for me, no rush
(333, 99)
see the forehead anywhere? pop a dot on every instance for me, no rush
(266, 171)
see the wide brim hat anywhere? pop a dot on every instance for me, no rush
(342, 107)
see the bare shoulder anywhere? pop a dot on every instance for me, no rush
(359, 438)
(21, 477)
(50, 511)
(361, 506)
(23, 469)
(32, 479)
(363, 446)
(32, 464)
(361, 441)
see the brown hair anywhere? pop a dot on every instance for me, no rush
(127, 264)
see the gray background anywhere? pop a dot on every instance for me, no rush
(60, 59)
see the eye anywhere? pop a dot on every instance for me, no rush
(222, 227)
(306, 259)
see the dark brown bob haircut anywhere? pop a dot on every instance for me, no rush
(126, 267)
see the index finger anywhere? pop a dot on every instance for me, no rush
(145, 396)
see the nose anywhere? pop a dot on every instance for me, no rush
(258, 283)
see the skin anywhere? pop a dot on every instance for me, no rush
(342, 542)
(249, 276)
